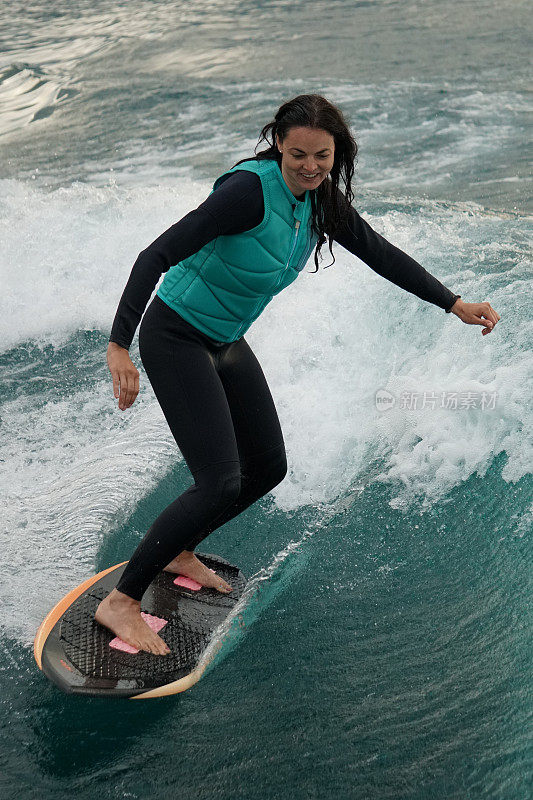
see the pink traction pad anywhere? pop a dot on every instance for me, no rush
(189, 583)
(155, 623)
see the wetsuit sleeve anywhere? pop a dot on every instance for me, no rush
(387, 260)
(234, 207)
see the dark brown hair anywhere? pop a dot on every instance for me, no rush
(329, 205)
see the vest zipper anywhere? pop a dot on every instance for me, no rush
(297, 231)
(297, 228)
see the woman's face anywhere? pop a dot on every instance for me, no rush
(307, 158)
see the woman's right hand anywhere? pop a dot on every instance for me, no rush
(125, 375)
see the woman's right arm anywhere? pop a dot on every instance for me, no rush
(234, 207)
(177, 243)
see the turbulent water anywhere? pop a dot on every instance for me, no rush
(384, 651)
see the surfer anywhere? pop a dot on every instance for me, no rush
(224, 262)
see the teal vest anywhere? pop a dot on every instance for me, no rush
(224, 287)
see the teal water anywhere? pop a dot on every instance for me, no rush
(384, 648)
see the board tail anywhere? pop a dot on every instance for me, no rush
(58, 610)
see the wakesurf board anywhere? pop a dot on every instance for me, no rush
(82, 657)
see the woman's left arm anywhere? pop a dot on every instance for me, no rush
(359, 238)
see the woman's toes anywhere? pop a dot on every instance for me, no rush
(159, 648)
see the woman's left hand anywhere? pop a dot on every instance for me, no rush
(476, 314)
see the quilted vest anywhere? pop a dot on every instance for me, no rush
(222, 288)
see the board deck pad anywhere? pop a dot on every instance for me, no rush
(77, 656)
(155, 623)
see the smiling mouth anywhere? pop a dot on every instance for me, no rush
(308, 176)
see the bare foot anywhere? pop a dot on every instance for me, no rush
(187, 564)
(122, 615)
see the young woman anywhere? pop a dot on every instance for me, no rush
(224, 262)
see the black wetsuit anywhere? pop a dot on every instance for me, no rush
(214, 395)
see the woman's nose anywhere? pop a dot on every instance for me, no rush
(310, 166)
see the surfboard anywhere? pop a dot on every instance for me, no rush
(82, 657)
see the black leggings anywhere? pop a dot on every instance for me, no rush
(217, 403)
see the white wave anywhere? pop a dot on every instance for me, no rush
(333, 339)
(65, 255)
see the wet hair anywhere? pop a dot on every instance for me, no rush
(329, 207)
